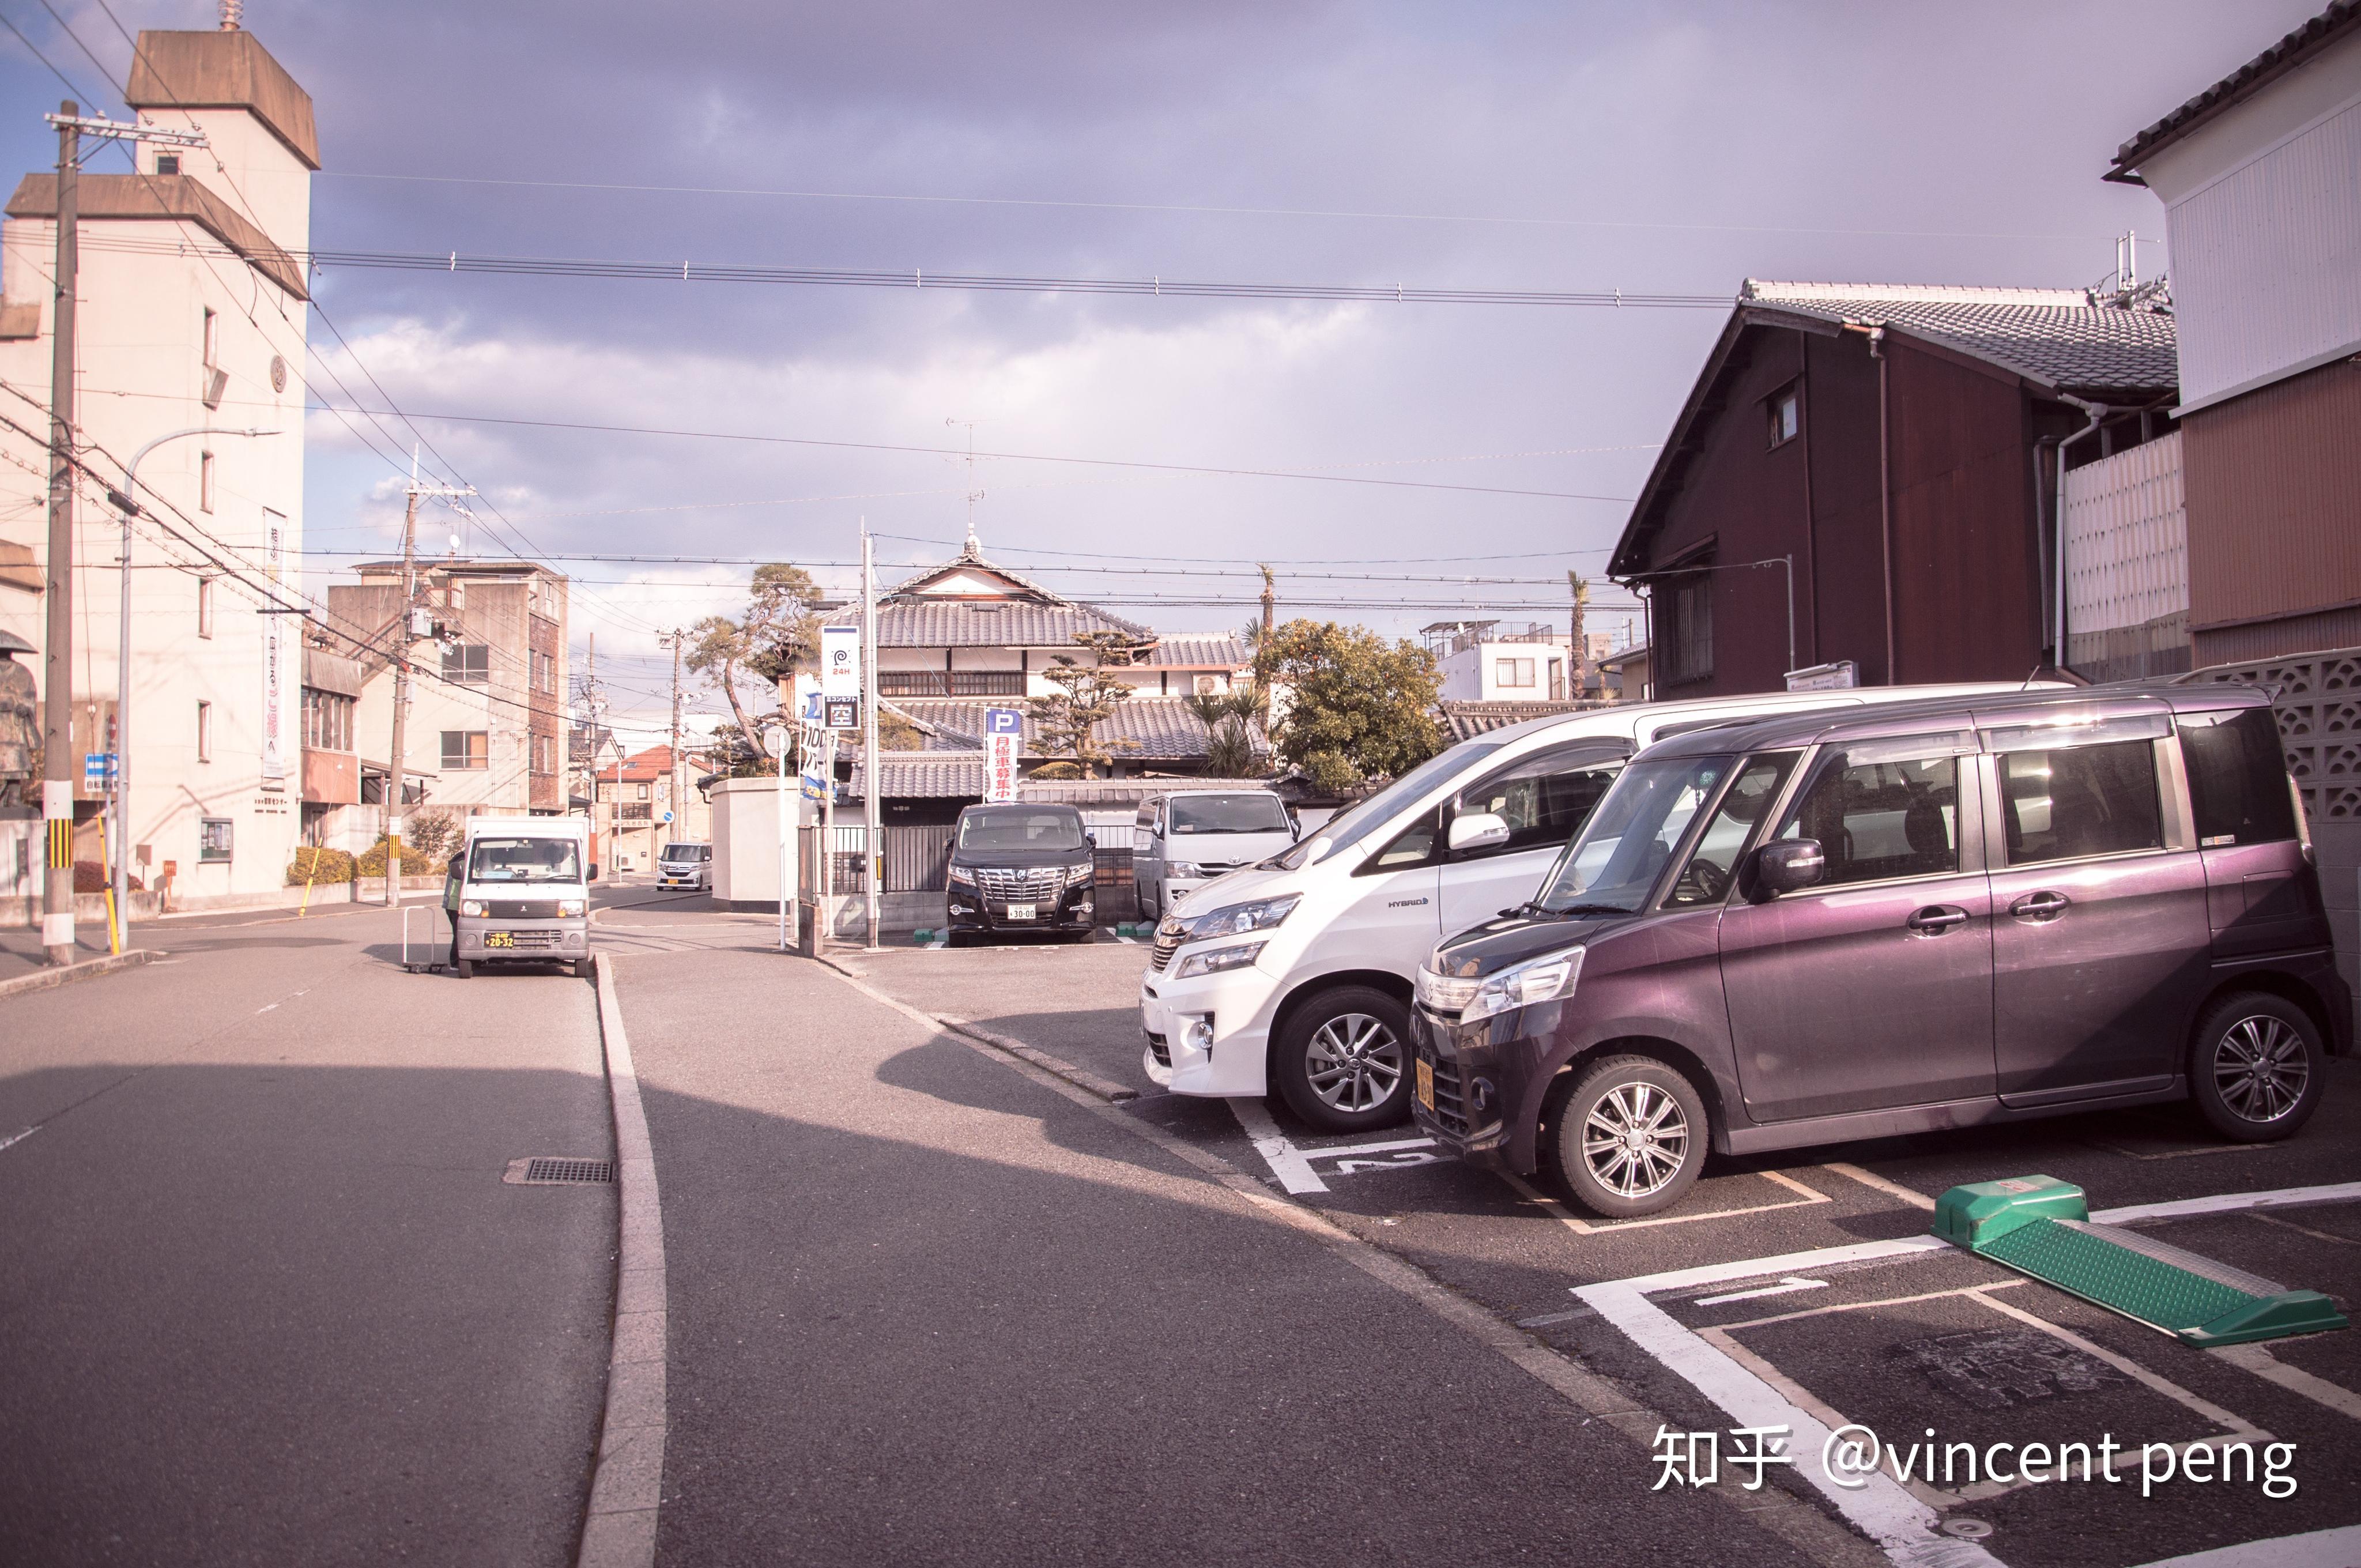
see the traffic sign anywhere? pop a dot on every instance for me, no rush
(98, 770)
(664, 816)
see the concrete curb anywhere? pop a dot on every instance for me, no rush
(619, 1528)
(88, 969)
(1080, 1078)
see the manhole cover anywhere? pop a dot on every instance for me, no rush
(550, 1170)
(2000, 1367)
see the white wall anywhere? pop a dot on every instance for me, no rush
(746, 839)
(2126, 539)
(2263, 218)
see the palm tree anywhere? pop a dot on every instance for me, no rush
(1229, 718)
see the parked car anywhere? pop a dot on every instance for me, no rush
(685, 864)
(1185, 839)
(1022, 867)
(1834, 925)
(518, 891)
(1299, 970)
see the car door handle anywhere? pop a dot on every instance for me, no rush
(2040, 907)
(1938, 918)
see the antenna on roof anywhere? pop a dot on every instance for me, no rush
(232, 13)
(974, 492)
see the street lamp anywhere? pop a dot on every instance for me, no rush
(125, 501)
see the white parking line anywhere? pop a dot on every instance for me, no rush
(2258, 1360)
(1582, 1227)
(1286, 1161)
(2337, 1548)
(1917, 1199)
(1902, 1525)
(1784, 1287)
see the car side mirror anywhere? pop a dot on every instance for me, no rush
(1790, 866)
(1477, 830)
(593, 871)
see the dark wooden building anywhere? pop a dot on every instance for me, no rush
(1868, 473)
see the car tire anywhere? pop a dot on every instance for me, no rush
(578, 968)
(466, 967)
(2256, 1067)
(1628, 1136)
(1343, 1060)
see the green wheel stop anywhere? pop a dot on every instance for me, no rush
(923, 936)
(2040, 1226)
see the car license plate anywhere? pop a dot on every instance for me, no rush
(1021, 911)
(499, 939)
(1427, 1083)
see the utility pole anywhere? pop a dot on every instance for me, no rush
(871, 817)
(56, 673)
(1581, 636)
(1269, 625)
(401, 640)
(678, 804)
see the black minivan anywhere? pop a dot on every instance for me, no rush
(1022, 867)
(1833, 925)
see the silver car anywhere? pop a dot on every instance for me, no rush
(686, 865)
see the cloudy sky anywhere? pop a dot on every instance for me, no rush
(1561, 147)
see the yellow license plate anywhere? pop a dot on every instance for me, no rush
(1427, 1083)
(502, 939)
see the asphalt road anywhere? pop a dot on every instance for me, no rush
(925, 1310)
(268, 1297)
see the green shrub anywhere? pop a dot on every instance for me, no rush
(321, 866)
(415, 861)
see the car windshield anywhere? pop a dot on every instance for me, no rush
(1349, 826)
(1255, 813)
(524, 860)
(684, 851)
(1622, 848)
(1020, 830)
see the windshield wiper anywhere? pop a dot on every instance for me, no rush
(1568, 911)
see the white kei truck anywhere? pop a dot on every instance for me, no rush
(518, 892)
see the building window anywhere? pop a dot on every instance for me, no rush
(1784, 408)
(205, 479)
(212, 340)
(205, 606)
(204, 732)
(643, 792)
(168, 163)
(327, 720)
(465, 751)
(215, 835)
(1512, 672)
(1685, 626)
(470, 662)
(544, 750)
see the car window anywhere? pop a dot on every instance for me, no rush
(1614, 864)
(1253, 813)
(1878, 817)
(2074, 802)
(1018, 827)
(524, 860)
(2237, 777)
(1706, 878)
(1413, 846)
(1545, 798)
(1355, 823)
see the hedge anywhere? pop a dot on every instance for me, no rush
(415, 861)
(321, 866)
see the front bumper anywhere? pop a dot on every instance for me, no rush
(1235, 1061)
(686, 878)
(489, 939)
(1465, 1068)
(969, 910)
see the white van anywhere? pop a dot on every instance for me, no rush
(520, 892)
(1187, 839)
(1300, 969)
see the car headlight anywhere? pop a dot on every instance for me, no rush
(1187, 870)
(962, 873)
(472, 909)
(569, 906)
(1215, 960)
(1080, 872)
(1444, 993)
(1235, 919)
(1544, 979)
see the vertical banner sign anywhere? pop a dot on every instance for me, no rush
(806, 709)
(839, 661)
(274, 662)
(1004, 737)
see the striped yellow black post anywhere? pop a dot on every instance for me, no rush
(60, 843)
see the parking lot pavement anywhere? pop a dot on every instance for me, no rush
(924, 1307)
(1523, 1252)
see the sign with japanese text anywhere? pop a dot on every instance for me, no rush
(1004, 740)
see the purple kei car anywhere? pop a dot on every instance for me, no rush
(1825, 926)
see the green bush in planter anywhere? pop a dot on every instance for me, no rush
(322, 866)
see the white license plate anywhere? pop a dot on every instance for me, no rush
(1022, 911)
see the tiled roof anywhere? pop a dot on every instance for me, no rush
(973, 623)
(973, 556)
(2239, 85)
(1219, 652)
(918, 776)
(1163, 727)
(1464, 720)
(2057, 336)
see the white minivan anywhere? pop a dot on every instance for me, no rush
(1299, 969)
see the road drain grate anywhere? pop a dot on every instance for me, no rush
(548, 1170)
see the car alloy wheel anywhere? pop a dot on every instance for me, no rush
(2259, 1068)
(1635, 1140)
(1353, 1062)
